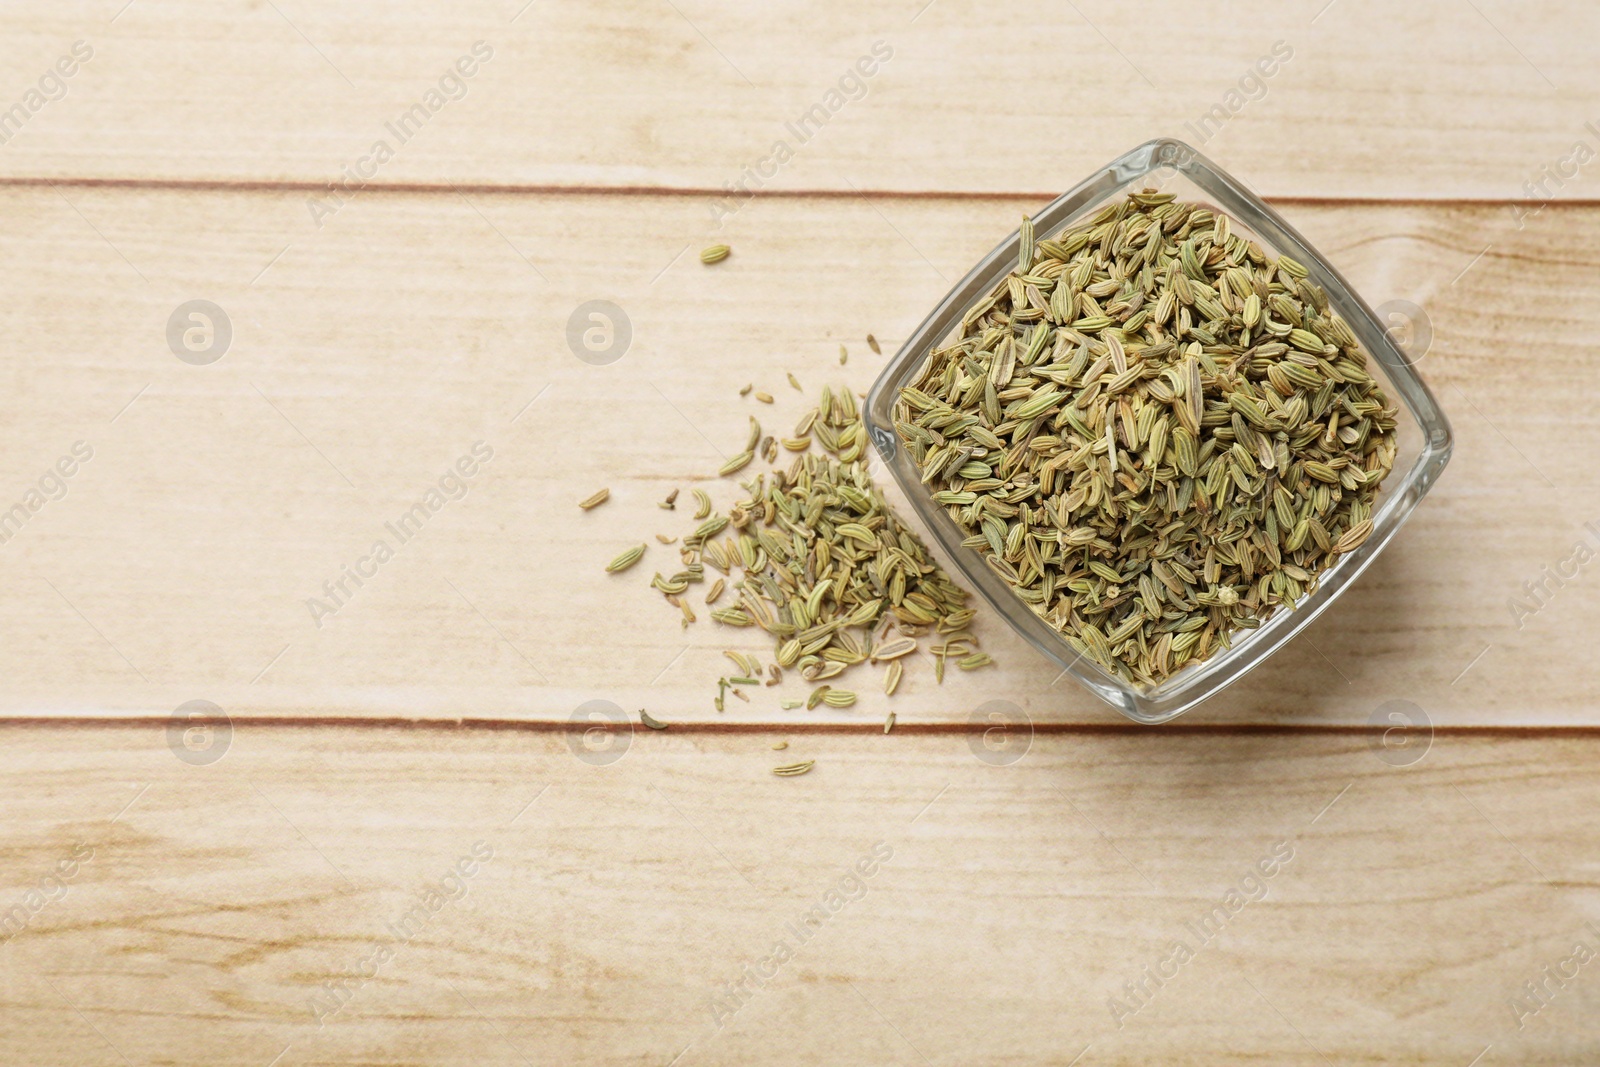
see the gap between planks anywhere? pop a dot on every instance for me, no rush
(515, 189)
(841, 728)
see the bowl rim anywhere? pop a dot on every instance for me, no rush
(1196, 683)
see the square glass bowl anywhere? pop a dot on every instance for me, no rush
(1423, 432)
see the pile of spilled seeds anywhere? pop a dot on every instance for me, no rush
(1155, 432)
(812, 556)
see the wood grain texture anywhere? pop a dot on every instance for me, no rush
(369, 356)
(159, 908)
(619, 899)
(1429, 100)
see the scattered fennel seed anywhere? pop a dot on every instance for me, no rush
(891, 678)
(814, 557)
(626, 560)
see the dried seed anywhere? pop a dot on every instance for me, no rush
(894, 649)
(626, 560)
(595, 501)
(1354, 537)
(872, 343)
(714, 254)
(704, 504)
(888, 723)
(669, 586)
(644, 717)
(891, 678)
(779, 746)
(791, 770)
(765, 398)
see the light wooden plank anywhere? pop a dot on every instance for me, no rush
(1018, 900)
(1436, 99)
(368, 357)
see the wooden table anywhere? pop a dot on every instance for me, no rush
(396, 851)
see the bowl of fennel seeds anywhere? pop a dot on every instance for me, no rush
(1157, 431)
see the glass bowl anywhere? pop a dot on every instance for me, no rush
(1423, 432)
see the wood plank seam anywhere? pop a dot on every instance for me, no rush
(805, 193)
(1110, 728)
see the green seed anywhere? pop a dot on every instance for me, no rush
(626, 560)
